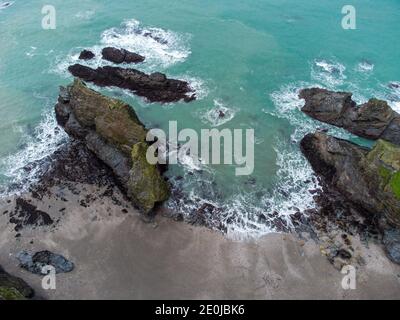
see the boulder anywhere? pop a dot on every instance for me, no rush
(372, 120)
(391, 240)
(86, 55)
(35, 263)
(369, 179)
(155, 87)
(111, 129)
(119, 56)
(13, 288)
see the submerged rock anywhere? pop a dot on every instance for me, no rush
(13, 288)
(121, 56)
(155, 87)
(86, 55)
(372, 120)
(35, 263)
(370, 179)
(111, 129)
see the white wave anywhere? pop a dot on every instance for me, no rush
(31, 52)
(295, 180)
(85, 15)
(47, 138)
(5, 5)
(197, 85)
(395, 105)
(329, 73)
(365, 67)
(218, 115)
(162, 48)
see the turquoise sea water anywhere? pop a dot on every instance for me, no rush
(248, 58)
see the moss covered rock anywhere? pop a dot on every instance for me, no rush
(111, 129)
(146, 185)
(13, 288)
(383, 163)
(10, 293)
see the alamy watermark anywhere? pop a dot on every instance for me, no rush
(349, 21)
(49, 280)
(213, 146)
(49, 21)
(349, 281)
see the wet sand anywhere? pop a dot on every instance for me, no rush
(120, 256)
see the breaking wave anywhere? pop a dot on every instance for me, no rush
(24, 167)
(161, 48)
(219, 114)
(329, 72)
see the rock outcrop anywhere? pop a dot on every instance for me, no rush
(112, 131)
(155, 87)
(35, 263)
(119, 56)
(86, 55)
(368, 179)
(13, 288)
(372, 120)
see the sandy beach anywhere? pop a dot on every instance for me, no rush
(118, 255)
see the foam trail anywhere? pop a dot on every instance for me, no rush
(5, 5)
(218, 115)
(161, 48)
(329, 72)
(47, 138)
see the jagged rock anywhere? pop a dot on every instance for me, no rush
(86, 55)
(155, 87)
(26, 214)
(36, 262)
(370, 179)
(13, 288)
(112, 131)
(391, 240)
(121, 56)
(372, 120)
(145, 183)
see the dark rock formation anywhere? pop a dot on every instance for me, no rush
(13, 288)
(155, 87)
(86, 55)
(121, 56)
(36, 262)
(372, 120)
(368, 179)
(394, 85)
(27, 214)
(113, 132)
(391, 241)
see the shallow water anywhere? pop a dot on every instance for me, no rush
(248, 58)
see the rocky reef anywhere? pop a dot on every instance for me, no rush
(111, 130)
(369, 179)
(119, 56)
(155, 87)
(13, 288)
(86, 55)
(372, 120)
